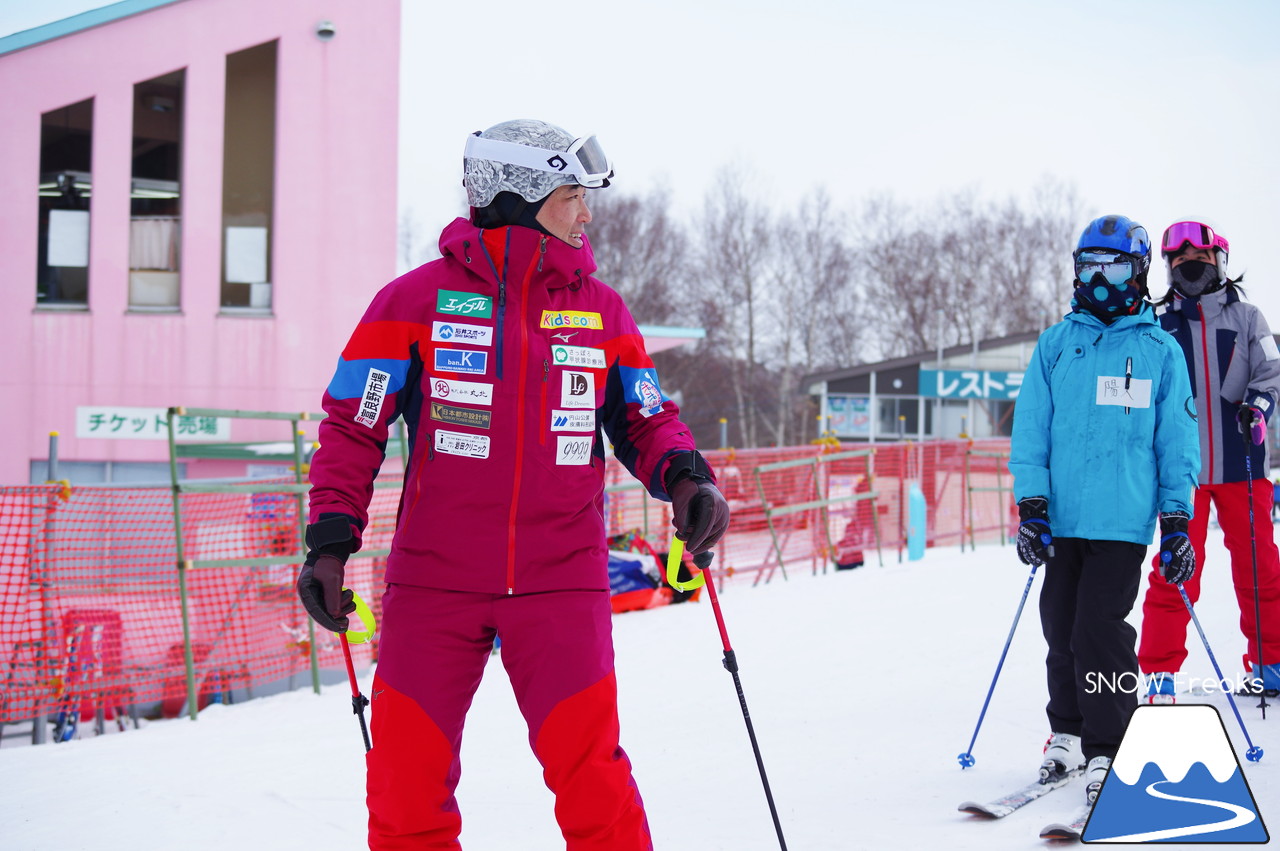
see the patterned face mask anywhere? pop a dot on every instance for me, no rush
(1105, 300)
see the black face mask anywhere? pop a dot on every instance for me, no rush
(1194, 278)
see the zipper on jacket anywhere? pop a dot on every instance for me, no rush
(522, 381)
(542, 426)
(502, 313)
(429, 455)
(1208, 406)
(501, 279)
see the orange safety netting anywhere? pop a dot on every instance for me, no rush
(92, 601)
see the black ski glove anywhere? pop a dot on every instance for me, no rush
(320, 581)
(699, 511)
(1035, 538)
(1177, 558)
(1252, 424)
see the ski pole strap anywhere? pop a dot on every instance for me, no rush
(367, 624)
(673, 569)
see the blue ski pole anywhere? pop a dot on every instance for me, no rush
(1254, 754)
(966, 758)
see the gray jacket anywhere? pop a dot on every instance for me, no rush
(1232, 358)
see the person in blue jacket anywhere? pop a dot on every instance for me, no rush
(1104, 440)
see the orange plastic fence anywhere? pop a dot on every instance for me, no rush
(92, 615)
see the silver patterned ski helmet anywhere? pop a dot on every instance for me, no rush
(490, 169)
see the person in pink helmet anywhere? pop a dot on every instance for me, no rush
(1234, 366)
(511, 365)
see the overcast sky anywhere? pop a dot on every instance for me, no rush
(1155, 109)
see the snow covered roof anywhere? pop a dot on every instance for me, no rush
(658, 338)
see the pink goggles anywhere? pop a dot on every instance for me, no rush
(1197, 234)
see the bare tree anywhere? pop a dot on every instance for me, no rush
(818, 317)
(736, 248)
(643, 253)
(991, 268)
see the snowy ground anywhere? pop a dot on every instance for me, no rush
(863, 687)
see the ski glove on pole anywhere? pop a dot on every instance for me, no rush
(1252, 424)
(1034, 534)
(1177, 558)
(699, 511)
(320, 581)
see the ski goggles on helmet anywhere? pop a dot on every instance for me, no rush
(1196, 234)
(585, 160)
(1115, 267)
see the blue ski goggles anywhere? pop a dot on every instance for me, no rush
(1116, 268)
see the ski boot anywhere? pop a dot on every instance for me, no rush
(1267, 685)
(1162, 689)
(1062, 756)
(1094, 776)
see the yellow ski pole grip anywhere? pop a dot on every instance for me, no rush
(673, 569)
(367, 624)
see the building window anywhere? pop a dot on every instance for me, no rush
(66, 150)
(155, 198)
(248, 179)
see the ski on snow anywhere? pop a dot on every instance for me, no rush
(1016, 800)
(1071, 830)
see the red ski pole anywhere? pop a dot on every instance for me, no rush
(358, 700)
(730, 662)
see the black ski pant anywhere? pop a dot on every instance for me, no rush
(1092, 667)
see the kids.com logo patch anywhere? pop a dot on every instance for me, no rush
(1176, 778)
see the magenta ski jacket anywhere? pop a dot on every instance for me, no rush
(507, 360)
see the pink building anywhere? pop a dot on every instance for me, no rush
(197, 201)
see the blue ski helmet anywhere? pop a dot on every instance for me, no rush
(1112, 258)
(1118, 233)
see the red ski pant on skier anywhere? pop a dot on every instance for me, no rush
(1163, 645)
(557, 649)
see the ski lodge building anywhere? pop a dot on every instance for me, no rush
(956, 392)
(964, 391)
(197, 201)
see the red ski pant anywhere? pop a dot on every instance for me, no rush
(1163, 645)
(557, 648)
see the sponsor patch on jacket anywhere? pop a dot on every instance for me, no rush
(467, 445)
(462, 360)
(557, 319)
(573, 451)
(375, 391)
(1269, 349)
(454, 415)
(578, 356)
(577, 389)
(464, 304)
(471, 392)
(456, 332)
(573, 420)
(1112, 390)
(641, 387)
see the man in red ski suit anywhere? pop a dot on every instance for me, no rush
(506, 359)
